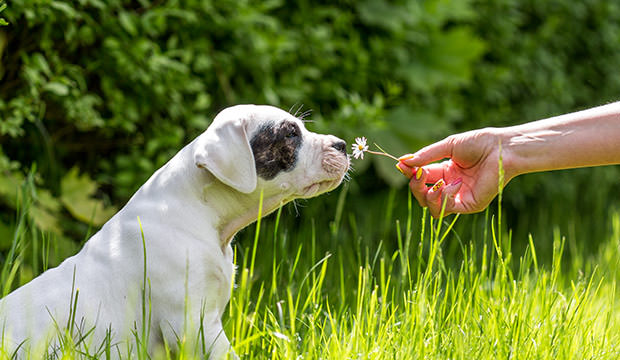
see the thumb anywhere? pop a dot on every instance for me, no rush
(437, 151)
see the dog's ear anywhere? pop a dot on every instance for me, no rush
(224, 150)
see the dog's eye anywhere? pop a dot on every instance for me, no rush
(292, 134)
(289, 130)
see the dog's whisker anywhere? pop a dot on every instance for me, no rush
(290, 110)
(298, 111)
(295, 207)
(304, 114)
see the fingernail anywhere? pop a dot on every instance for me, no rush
(406, 157)
(418, 173)
(438, 185)
(399, 169)
(457, 181)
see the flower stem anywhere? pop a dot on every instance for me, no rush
(382, 153)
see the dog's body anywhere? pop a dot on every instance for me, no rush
(188, 210)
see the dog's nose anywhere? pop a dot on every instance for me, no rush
(340, 146)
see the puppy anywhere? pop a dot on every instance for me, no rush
(181, 221)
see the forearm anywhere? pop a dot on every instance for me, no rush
(586, 138)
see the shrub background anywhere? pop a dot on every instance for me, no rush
(96, 95)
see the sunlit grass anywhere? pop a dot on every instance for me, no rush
(408, 303)
(485, 307)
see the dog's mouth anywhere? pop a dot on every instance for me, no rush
(335, 165)
(319, 188)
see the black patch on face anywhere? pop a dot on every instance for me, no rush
(275, 148)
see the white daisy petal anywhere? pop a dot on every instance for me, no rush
(359, 147)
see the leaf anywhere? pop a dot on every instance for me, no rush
(2, 21)
(44, 212)
(128, 23)
(45, 220)
(77, 193)
(65, 8)
(41, 63)
(57, 88)
(385, 15)
(9, 185)
(442, 11)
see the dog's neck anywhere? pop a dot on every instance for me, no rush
(228, 210)
(236, 210)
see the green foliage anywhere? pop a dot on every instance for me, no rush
(115, 88)
(77, 196)
(139, 80)
(2, 7)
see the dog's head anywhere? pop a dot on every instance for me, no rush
(255, 148)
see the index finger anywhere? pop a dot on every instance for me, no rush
(437, 151)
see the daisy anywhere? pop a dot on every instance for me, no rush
(360, 147)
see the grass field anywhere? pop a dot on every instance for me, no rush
(316, 287)
(413, 304)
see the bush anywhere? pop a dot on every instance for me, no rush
(98, 94)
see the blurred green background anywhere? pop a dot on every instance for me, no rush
(95, 95)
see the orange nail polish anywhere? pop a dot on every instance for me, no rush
(399, 169)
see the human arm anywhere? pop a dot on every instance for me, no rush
(470, 175)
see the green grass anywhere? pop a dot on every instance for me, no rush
(317, 288)
(412, 304)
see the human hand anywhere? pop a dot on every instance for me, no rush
(467, 180)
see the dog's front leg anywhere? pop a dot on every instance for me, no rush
(193, 322)
(206, 338)
(217, 344)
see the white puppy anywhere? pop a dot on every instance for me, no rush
(189, 211)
